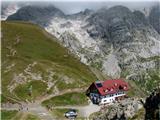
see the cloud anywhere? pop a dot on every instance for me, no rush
(74, 6)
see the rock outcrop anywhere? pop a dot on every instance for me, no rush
(154, 18)
(123, 110)
(152, 106)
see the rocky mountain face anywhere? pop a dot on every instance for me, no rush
(40, 15)
(154, 18)
(8, 9)
(117, 41)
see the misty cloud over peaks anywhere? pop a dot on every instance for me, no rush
(75, 7)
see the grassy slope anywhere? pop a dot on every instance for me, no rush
(139, 115)
(7, 115)
(67, 99)
(15, 115)
(150, 83)
(148, 80)
(38, 87)
(32, 117)
(37, 45)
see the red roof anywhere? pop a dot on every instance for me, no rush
(111, 86)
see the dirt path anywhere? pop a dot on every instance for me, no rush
(84, 111)
(40, 100)
(34, 108)
(41, 112)
(44, 114)
(37, 109)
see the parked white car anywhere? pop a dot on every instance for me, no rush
(72, 113)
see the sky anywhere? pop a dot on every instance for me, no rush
(84, 0)
(74, 6)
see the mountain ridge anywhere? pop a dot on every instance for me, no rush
(114, 38)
